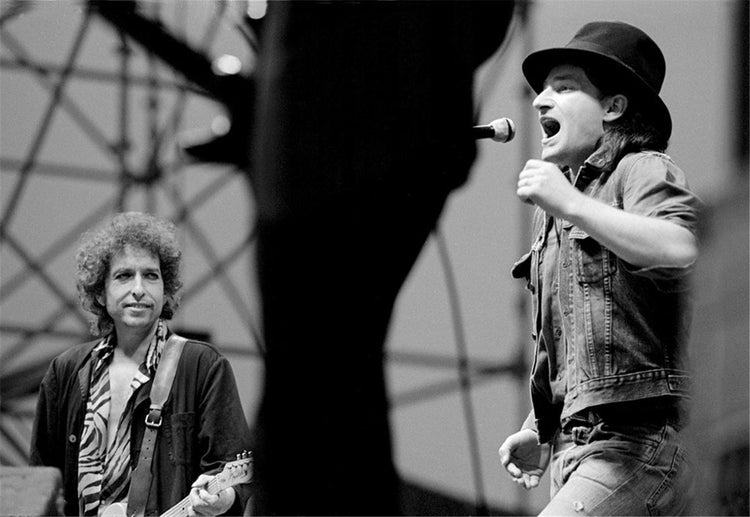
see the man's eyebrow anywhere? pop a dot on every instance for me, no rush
(561, 77)
(149, 269)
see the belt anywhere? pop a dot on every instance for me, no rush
(628, 413)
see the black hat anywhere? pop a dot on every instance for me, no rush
(621, 49)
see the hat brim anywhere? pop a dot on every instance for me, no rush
(537, 65)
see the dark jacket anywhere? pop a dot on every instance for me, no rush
(203, 425)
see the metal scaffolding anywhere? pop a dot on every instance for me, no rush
(162, 73)
(145, 170)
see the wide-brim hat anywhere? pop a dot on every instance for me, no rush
(620, 49)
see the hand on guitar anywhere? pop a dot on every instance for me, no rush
(204, 503)
(209, 495)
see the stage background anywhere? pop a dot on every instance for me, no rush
(91, 123)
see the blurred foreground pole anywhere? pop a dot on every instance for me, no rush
(363, 126)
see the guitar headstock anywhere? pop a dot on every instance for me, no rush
(235, 472)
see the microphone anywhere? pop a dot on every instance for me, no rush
(500, 130)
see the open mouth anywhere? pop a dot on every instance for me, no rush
(550, 126)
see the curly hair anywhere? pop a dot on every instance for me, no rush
(94, 256)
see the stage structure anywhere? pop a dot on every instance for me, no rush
(115, 106)
(96, 122)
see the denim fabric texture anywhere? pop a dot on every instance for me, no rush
(619, 469)
(606, 331)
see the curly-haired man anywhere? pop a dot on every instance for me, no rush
(94, 399)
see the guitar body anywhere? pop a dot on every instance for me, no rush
(116, 510)
(234, 473)
(121, 509)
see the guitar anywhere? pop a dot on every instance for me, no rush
(234, 473)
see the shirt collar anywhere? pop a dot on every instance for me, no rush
(586, 173)
(102, 352)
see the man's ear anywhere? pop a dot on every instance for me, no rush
(616, 106)
(100, 299)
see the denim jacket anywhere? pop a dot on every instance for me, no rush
(617, 333)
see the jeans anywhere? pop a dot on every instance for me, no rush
(619, 469)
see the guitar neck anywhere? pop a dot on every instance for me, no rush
(181, 508)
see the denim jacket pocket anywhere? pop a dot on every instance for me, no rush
(593, 262)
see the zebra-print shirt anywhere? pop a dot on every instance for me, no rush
(104, 475)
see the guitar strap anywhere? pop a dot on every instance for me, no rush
(140, 480)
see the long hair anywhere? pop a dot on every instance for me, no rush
(97, 249)
(634, 131)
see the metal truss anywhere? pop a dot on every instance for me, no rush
(163, 68)
(136, 173)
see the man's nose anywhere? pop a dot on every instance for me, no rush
(541, 101)
(137, 289)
